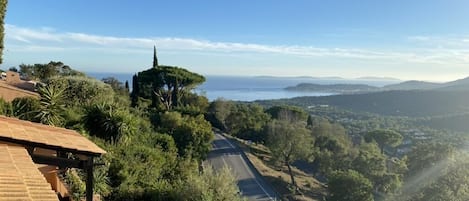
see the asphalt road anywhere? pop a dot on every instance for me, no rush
(250, 183)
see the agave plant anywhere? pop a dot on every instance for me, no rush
(52, 106)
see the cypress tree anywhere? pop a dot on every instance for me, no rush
(3, 9)
(127, 85)
(155, 59)
(135, 90)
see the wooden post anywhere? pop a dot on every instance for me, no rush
(89, 179)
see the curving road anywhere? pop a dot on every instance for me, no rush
(250, 183)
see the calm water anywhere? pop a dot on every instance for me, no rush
(253, 88)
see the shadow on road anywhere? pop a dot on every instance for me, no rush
(250, 188)
(221, 152)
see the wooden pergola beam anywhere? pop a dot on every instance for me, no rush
(57, 161)
(47, 146)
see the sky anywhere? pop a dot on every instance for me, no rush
(418, 39)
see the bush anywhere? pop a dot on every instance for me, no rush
(5, 108)
(108, 122)
(349, 186)
(26, 108)
(83, 90)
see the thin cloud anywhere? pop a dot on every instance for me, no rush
(443, 51)
(66, 40)
(450, 41)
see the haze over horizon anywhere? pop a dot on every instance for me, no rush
(418, 40)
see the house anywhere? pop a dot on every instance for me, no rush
(11, 87)
(32, 155)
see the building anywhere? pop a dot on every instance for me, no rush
(32, 155)
(11, 86)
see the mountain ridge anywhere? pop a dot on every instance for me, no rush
(456, 85)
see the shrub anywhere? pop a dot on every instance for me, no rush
(83, 90)
(26, 108)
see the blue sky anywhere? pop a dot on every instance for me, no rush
(425, 40)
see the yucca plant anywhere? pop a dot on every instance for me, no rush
(52, 106)
(106, 121)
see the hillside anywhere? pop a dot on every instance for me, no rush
(412, 85)
(415, 103)
(335, 88)
(457, 85)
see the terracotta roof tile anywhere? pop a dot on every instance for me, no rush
(25, 131)
(19, 177)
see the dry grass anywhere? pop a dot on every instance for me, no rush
(278, 177)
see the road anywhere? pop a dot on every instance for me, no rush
(250, 183)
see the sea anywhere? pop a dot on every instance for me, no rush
(251, 88)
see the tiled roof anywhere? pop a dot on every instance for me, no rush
(20, 179)
(45, 136)
(8, 92)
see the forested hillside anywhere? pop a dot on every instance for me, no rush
(413, 103)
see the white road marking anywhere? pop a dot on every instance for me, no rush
(247, 168)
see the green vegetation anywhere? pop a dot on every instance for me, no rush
(288, 143)
(349, 186)
(155, 150)
(5, 108)
(157, 138)
(386, 146)
(42, 72)
(165, 86)
(192, 135)
(421, 157)
(82, 90)
(3, 9)
(384, 138)
(247, 122)
(52, 105)
(384, 157)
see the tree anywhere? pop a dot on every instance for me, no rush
(384, 138)
(370, 162)
(286, 111)
(192, 135)
(349, 186)
(155, 59)
(165, 85)
(117, 85)
(139, 172)
(445, 180)
(3, 10)
(247, 121)
(113, 82)
(218, 112)
(14, 69)
(210, 185)
(310, 121)
(288, 143)
(135, 90)
(428, 155)
(42, 72)
(127, 86)
(335, 150)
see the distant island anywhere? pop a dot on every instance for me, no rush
(457, 85)
(333, 88)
